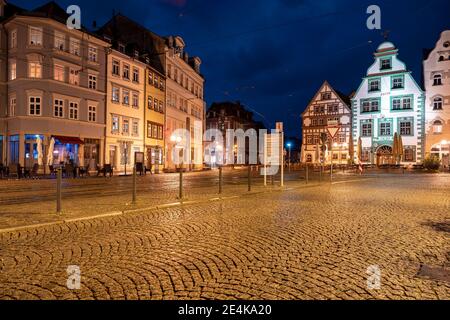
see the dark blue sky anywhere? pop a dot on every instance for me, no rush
(273, 55)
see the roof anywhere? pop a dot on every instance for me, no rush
(49, 10)
(136, 37)
(10, 10)
(231, 108)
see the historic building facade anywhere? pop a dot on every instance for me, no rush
(53, 90)
(328, 113)
(436, 71)
(125, 110)
(225, 116)
(185, 106)
(389, 101)
(144, 52)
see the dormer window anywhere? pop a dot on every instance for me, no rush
(136, 53)
(437, 80)
(441, 58)
(446, 44)
(385, 64)
(121, 48)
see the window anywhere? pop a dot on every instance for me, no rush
(74, 76)
(92, 82)
(385, 129)
(75, 47)
(126, 126)
(150, 78)
(135, 74)
(405, 128)
(115, 68)
(73, 110)
(92, 54)
(126, 97)
(326, 96)
(397, 82)
(154, 130)
(155, 81)
(35, 36)
(437, 103)
(406, 103)
(126, 71)
(150, 102)
(13, 70)
(12, 106)
(60, 41)
(374, 105)
(34, 106)
(121, 48)
(308, 158)
(366, 129)
(92, 113)
(374, 85)
(115, 124)
(115, 94)
(35, 70)
(135, 102)
(169, 71)
(135, 128)
(155, 105)
(58, 108)
(385, 64)
(309, 139)
(396, 104)
(409, 153)
(437, 127)
(58, 72)
(161, 107)
(437, 80)
(366, 106)
(13, 39)
(136, 53)
(161, 83)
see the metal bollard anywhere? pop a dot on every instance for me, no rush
(220, 180)
(320, 173)
(180, 193)
(249, 178)
(134, 186)
(58, 190)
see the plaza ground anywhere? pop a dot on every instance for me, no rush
(312, 241)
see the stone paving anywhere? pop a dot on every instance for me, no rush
(304, 243)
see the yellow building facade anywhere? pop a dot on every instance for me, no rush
(155, 97)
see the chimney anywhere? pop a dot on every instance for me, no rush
(2, 8)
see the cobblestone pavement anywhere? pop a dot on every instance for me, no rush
(309, 243)
(26, 202)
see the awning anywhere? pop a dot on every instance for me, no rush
(71, 140)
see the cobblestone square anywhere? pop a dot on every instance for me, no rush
(314, 242)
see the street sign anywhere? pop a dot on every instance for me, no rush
(333, 130)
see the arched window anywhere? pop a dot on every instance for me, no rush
(437, 103)
(437, 80)
(437, 126)
(441, 58)
(446, 44)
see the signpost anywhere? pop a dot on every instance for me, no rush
(276, 156)
(333, 129)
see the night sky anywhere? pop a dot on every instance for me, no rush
(274, 55)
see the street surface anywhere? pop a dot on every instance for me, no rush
(307, 242)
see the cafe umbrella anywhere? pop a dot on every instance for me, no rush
(40, 155)
(395, 148)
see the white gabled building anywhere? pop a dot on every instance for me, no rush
(436, 70)
(388, 101)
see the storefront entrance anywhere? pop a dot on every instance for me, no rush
(385, 156)
(154, 158)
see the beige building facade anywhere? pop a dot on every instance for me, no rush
(185, 108)
(53, 91)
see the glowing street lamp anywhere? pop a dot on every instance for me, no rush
(289, 160)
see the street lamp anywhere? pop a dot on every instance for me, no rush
(289, 160)
(175, 140)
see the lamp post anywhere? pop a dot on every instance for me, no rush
(175, 140)
(289, 155)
